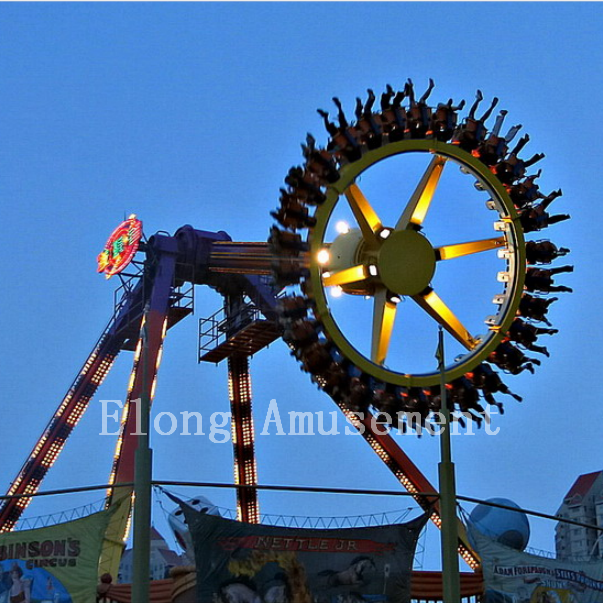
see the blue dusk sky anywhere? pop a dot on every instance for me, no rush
(192, 114)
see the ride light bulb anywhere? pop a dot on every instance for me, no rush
(336, 291)
(372, 270)
(342, 227)
(323, 257)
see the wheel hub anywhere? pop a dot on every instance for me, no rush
(406, 262)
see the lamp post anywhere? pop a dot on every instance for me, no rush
(450, 561)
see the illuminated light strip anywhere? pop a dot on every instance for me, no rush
(89, 362)
(233, 431)
(65, 403)
(138, 351)
(120, 438)
(77, 413)
(126, 409)
(14, 486)
(131, 381)
(52, 453)
(320, 380)
(129, 519)
(469, 557)
(118, 446)
(244, 465)
(159, 356)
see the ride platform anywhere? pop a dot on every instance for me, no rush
(247, 333)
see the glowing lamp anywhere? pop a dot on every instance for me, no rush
(342, 227)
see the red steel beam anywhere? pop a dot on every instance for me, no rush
(245, 470)
(64, 420)
(406, 472)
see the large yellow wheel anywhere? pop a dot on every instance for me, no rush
(388, 258)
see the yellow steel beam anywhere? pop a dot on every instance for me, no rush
(448, 252)
(416, 210)
(345, 277)
(384, 315)
(365, 215)
(441, 313)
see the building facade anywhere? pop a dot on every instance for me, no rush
(163, 559)
(583, 503)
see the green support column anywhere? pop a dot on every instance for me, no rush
(450, 560)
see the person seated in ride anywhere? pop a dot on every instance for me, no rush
(368, 128)
(526, 335)
(537, 218)
(316, 357)
(332, 380)
(511, 359)
(489, 382)
(473, 131)
(289, 271)
(419, 113)
(358, 396)
(386, 401)
(535, 308)
(513, 168)
(293, 307)
(286, 243)
(543, 252)
(301, 333)
(494, 148)
(319, 161)
(292, 214)
(444, 120)
(345, 141)
(465, 395)
(375, 135)
(538, 279)
(300, 178)
(386, 98)
(394, 117)
(525, 193)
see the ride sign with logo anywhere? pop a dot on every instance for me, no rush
(121, 247)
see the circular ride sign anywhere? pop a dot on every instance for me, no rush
(121, 247)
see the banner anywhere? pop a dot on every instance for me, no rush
(511, 576)
(244, 563)
(56, 564)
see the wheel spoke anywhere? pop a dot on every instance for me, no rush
(448, 252)
(440, 312)
(384, 315)
(365, 215)
(416, 210)
(354, 274)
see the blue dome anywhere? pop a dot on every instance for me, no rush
(510, 528)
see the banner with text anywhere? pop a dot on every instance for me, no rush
(243, 563)
(512, 576)
(55, 564)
